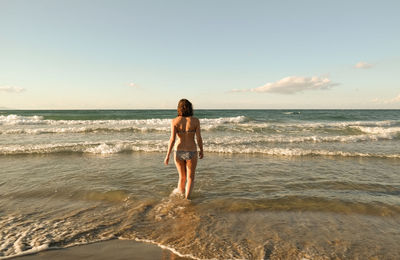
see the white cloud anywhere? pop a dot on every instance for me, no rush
(387, 101)
(11, 89)
(363, 65)
(396, 99)
(133, 85)
(293, 84)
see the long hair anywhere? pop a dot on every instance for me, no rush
(185, 108)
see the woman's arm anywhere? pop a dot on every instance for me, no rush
(171, 143)
(199, 140)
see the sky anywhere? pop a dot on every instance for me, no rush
(87, 54)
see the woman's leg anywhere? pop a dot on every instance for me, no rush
(190, 169)
(181, 167)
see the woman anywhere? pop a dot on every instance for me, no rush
(186, 127)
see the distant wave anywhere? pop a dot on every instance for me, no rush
(347, 135)
(85, 147)
(292, 113)
(379, 130)
(309, 131)
(260, 139)
(20, 120)
(38, 125)
(38, 120)
(113, 147)
(83, 129)
(301, 152)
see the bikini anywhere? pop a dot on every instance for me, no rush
(185, 155)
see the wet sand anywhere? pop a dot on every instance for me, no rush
(112, 249)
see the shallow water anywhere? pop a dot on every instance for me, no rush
(259, 193)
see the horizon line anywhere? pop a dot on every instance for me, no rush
(91, 109)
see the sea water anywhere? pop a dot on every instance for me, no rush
(274, 184)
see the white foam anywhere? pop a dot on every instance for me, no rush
(112, 147)
(229, 140)
(24, 120)
(34, 232)
(300, 127)
(223, 120)
(292, 113)
(294, 152)
(176, 193)
(105, 149)
(313, 125)
(33, 250)
(87, 126)
(379, 130)
(173, 250)
(20, 120)
(308, 132)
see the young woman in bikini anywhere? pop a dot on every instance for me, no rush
(186, 127)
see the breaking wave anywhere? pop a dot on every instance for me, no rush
(113, 147)
(275, 131)
(38, 120)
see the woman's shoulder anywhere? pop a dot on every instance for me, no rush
(196, 122)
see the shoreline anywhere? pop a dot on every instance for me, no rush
(111, 249)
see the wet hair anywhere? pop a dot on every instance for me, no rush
(185, 108)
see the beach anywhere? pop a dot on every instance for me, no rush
(113, 249)
(274, 184)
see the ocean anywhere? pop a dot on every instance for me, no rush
(273, 184)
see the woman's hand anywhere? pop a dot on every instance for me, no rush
(166, 160)
(201, 154)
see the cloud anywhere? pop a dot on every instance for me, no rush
(133, 85)
(11, 89)
(363, 65)
(387, 101)
(293, 84)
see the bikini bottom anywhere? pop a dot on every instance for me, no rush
(185, 155)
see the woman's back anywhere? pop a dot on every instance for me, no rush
(186, 128)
